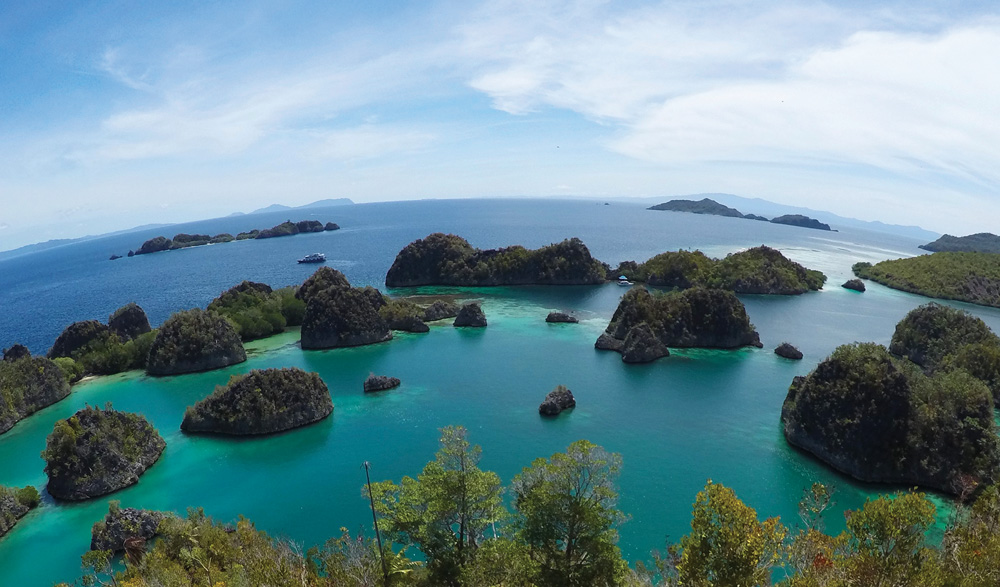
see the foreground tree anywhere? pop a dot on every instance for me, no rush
(567, 515)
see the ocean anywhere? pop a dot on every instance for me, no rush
(694, 416)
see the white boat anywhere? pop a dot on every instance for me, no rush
(623, 281)
(313, 258)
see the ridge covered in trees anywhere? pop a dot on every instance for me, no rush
(981, 242)
(962, 276)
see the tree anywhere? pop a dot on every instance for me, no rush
(566, 513)
(446, 510)
(886, 541)
(728, 546)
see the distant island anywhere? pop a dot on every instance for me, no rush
(966, 277)
(184, 240)
(317, 204)
(447, 259)
(981, 242)
(710, 206)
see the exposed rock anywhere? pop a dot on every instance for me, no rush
(471, 314)
(331, 226)
(224, 237)
(380, 383)
(341, 317)
(128, 322)
(440, 310)
(261, 402)
(96, 452)
(154, 245)
(642, 346)
(606, 342)
(788, 351)
(561, 317)
(113, 257)
(76, 336)
(15, 352)
(131, 253)
(557, 400)
(855, 284)
(409, 324)
(14, 504)
(194, 340)
(121, 524)
(28, 385)
(324, 277)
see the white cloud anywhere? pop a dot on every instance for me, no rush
(368, 141)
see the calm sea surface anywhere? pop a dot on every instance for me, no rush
(694, 416)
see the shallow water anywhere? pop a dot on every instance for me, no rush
(693, 416)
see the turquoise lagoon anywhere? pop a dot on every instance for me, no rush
(694, 416)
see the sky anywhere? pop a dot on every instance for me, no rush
(117, 114)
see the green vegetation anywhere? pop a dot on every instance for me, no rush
(982, 242)
(14, 503)
(95, 452)
(404, 315)
(446, 259)
(338, 317)
(261, 402)
(880, 419)
(967, 277)
(760, 270)
(323, 278)
(703, 206)
(28, 385)
(256, 311)
(183, 240)
(194, 340)
(800, 220)
(105, 350)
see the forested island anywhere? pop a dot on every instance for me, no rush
(15, 502)
(759, 270)
(711, 207)
(447, 259)
(194, 340)
(184, 240)
(28, 384)
(982, 242)
(966, 277)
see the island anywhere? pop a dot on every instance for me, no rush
(447, 259)
(471, 315)
(28, 384)
(129, 322)
(788, 351)
(878, 419)
(966, 277)
(124, 527)
(99, 451)
(561, 317)
(802, 221)
(981, 242)
(257, 311)
(184, 240)
(695, 317)
(15, 502)
(91, 347)
(380, 383)
(261, 402)
(758, 270)
(194, 340)
(854, 284)
(703, 206)
(440, 310)
(344, 317)
(557, 400)
(323, 278)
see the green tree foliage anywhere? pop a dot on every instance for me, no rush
(566, 513)
(28, 385)
(967, 277)
(253, 309)
(14, 503)
(446, 510)
(323, 278)
(194, 340)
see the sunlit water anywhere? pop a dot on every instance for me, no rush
(693, 416)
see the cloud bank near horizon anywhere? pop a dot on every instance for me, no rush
(878, 111)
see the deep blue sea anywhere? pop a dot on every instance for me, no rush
(677, 422)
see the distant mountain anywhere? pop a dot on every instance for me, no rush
(59, 242)
(317, 204)
(982, 242)
(703, 206)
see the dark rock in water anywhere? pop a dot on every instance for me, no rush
(557, 400)
(331, 226)
(642, 346)
(27, 385)
(323, 278)
(606, 342)
(855, 284)
(380, 383)
(15, 352)
(342, 317)
(561, 317)
(122, 524)
(800, 220)
(472, 315)
(309, 226)
(409, 324)
(14, 504)
(76, 336)
(131, 253)
(440, 310)
(194, 340)
(788, 351)
(128, 322)
(261, 402)
(154, 245)
(96, 452)
(113, 257)
(755, 217)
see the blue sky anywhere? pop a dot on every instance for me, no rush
(116, 114)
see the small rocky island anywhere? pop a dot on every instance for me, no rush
(440, 310)
(556, 401)
(787, 351)
(122, 525)
(447, 259)
(261, 402)
(184, 240)
(801, 221)
(561, 317)
(854, 284)
(28, 384)
(380, 383)
(194, 340)
(644, 325)
(966, 277)
(15, 502)
(96, 452)
(880, 419)
(471, 315)
(343, 317)
(703, 206)
(758, 270)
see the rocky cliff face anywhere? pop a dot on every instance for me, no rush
(556, 401)
(557, 317)
(341, 317)
(261, 402)
(96, 452)
(787, 351)
(121, 525)
(472, 315)
(154, 245)
(380, 383)
(194, 340)
(28, 385)
(128, 322)
(855, 284)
